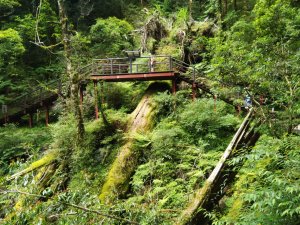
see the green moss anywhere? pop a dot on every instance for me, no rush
(235, 210)
(126, 162)
(46, 160)
(195, 204)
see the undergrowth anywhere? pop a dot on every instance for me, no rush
(174, 159)
(267, 187)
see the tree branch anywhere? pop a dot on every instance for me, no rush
(54, 216)
(100, 213)
(21, 192)
(72, 205)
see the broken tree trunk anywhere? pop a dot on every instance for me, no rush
(202, 195)
(118, 177)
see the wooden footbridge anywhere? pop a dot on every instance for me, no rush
(147, 68)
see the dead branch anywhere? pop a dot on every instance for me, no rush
(5, 191)
(20, 192)
(55, 216)
(46, 160)
(100, 213)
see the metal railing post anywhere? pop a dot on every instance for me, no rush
(93, 67)
(170, 63)
(111, 66)
(130, 65)
(102, 68)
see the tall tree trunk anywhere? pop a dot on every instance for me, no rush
(71, 74)
(234, 5)
(225, 7)
(190, 9)
(220, 7)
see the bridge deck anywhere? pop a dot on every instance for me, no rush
(167, 75)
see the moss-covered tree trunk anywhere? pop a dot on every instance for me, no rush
(117, 180)
(71, 74)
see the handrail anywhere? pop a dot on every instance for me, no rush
(110, 66)
(32, 97)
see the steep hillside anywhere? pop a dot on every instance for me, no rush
(144, 175)
(150, 157)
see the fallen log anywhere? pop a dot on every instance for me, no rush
(202, 195)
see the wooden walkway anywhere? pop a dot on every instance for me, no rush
(148, 68)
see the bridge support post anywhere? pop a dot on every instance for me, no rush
(96, 100)
(238, 109)
(30, 120)
(102, 92)
(47, 115)
(174, 86)
(5, 119)
(194, 91)
(215, 103)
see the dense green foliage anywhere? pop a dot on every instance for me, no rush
(240, 48)
(267, 189)
(11, 48)
(266, 47)
(176, 158)
(17, 145)
(111, 36)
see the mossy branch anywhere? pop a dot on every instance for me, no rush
(46, 160)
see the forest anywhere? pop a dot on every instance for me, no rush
(217, 143)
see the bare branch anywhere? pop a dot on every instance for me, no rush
(5, 191)
(21, 192)
(54, 216)
(100, 213)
